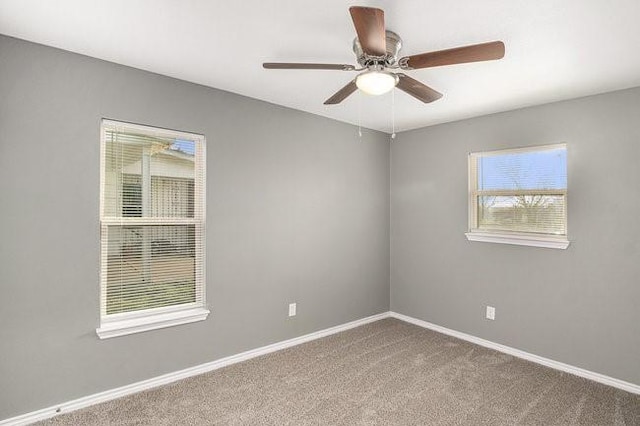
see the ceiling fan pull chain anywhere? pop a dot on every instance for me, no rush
(359, 114)
(393, 114)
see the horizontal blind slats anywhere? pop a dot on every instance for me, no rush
(150, 267)
(152, 219)
(521, 191)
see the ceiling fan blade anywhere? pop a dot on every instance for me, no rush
(303, 66)
(369, 23)
(416, 89)
(459, 55)
(342, 94)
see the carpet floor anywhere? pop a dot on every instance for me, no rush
(385, 373)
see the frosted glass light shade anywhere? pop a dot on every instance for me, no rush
(376, 82)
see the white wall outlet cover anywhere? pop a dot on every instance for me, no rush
(491, 313)
(292, 309)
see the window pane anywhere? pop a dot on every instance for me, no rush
(148, 176)
(523, 213)
(150, 267)
(545, 169)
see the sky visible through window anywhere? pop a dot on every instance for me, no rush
(186, 146)
(525, 170)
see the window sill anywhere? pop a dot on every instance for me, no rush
(519, 239)
(151, 322)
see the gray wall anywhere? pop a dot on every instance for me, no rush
(297, 210)
(578, 306)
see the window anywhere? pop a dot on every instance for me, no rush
(152, 219)
(519, 196)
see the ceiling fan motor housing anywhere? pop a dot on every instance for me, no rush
(394, 44)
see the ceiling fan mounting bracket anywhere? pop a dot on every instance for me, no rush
(393, 46)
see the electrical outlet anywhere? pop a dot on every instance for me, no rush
(292, 309)
(491, 313)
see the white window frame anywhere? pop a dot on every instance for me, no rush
(121, 324)
(504, 236)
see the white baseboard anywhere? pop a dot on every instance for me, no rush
(577, 371)
(111, 394)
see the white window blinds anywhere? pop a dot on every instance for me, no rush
(519, 191)
(152, 221)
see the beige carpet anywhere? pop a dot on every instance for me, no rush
(385, 373)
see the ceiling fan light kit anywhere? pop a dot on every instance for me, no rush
(376, 51)
(376, 82)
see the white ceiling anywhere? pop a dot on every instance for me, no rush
(555, 49)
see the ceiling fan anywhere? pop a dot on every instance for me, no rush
(377, 50)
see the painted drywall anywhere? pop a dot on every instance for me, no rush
(578, 306)
(297, 211)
